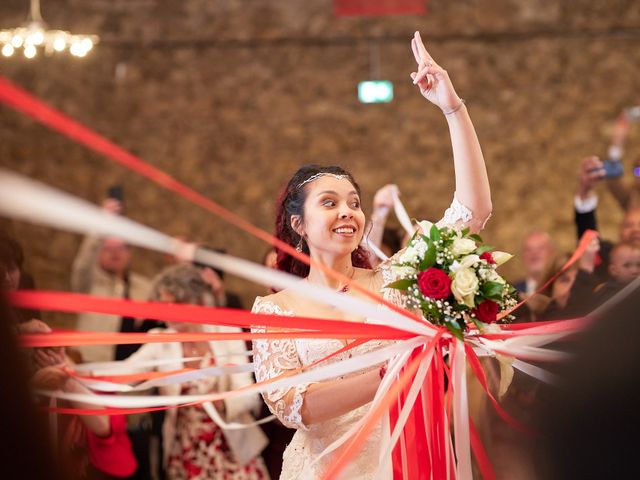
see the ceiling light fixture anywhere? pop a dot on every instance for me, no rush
(34, 35)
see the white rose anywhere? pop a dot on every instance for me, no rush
(463, 246)
(464, 286)
(468, 261)
(410, 255)
(501, 257)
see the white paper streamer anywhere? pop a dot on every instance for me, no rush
(403, 416)
(120, 367)
(318, 374)
(374, 248)
(395, 364)
(212, 411)
(26, 199)
(461, 413)
(536, 372)
(182, 377)
(524, 351)
(402, 215)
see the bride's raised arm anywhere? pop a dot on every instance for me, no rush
(472, 183)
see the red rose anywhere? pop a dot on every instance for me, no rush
(434, 283)
(487, 311)
(488, 257)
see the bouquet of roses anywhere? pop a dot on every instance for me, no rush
(450, 276)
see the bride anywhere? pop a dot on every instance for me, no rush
(320, 213)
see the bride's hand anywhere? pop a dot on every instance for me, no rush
(432, 79)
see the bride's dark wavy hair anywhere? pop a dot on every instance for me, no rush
(291, 202)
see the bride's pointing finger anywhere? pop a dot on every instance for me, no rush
(416, 52)
(422, 51)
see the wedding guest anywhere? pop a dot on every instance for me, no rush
(194, 446)
(102, 267)
(591, 172)
(96, 446)
(538, 249)
(12, 274)
(624, 267)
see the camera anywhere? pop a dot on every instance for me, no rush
(613, 168)
(116, 192)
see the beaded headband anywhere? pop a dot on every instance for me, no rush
(322, 174)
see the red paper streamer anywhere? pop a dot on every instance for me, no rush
(74, 303)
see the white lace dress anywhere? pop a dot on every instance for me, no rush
(274, 357)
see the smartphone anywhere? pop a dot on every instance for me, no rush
(116, 192)
(613, 168)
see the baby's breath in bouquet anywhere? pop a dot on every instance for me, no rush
(450, 275)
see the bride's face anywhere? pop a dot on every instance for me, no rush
(333, 219)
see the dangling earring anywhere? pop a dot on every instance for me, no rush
(300, 245)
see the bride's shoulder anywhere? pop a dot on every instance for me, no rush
(371, 279)
(275, 304)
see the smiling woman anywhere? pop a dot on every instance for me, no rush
(319, 213)
(316, 203)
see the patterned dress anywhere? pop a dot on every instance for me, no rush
(200, 450)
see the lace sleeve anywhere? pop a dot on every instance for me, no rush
(272, 358)
(456, 214)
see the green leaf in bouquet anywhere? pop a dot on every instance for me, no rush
(429, 257)
(434, 233)
(402, 284)
(465, 232)
(454, 327)
(478, 323)
(483, 249)
(492, 290)
(476, 237)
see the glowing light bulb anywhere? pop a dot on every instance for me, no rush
(7, 50)
(75, 49)
(37, 37)
(59, 44)
(17, 41)
(87, 44)
(29, 51)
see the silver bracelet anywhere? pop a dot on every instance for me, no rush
(455, 109)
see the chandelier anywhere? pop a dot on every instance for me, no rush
(35, 35)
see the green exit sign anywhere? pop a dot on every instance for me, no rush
(375, 91)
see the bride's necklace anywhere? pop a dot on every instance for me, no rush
(346, 286)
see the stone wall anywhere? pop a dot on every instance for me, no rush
(231, 96)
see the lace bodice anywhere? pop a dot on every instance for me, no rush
(273, 357)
